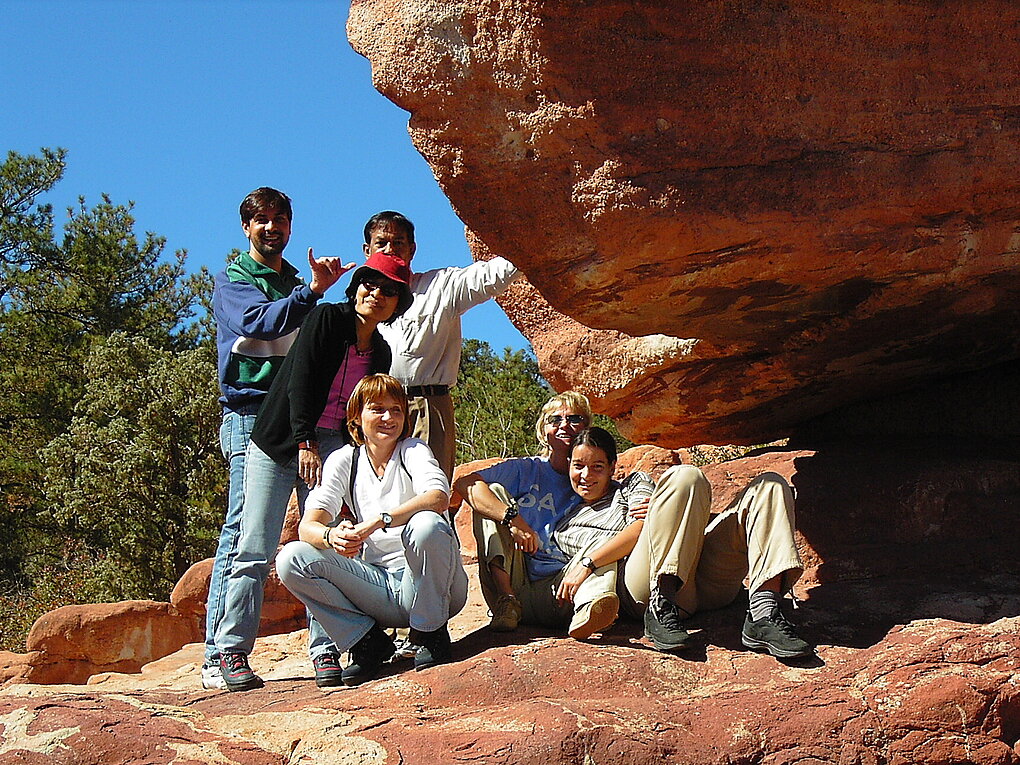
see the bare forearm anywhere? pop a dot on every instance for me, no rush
(435, 500)
(619, 546)
(481, 498)
(312, 528)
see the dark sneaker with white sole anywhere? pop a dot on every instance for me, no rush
(663, 625)
(774, 635)
(237, 675)
(328, 671)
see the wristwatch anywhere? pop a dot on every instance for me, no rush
(589, 564)
(511, 513)
(387, 519)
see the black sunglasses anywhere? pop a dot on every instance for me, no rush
(572, 419)
(389, 289)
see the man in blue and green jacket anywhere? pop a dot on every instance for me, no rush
(259, 304)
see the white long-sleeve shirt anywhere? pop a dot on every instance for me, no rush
(426, 340)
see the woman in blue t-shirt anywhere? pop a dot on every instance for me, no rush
(517, 505)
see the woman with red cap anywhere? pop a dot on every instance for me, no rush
(300, 422)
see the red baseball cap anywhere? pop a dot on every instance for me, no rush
(391, 267)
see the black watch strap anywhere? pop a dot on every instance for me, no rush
(511, 513)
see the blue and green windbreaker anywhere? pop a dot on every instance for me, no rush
(258, 313)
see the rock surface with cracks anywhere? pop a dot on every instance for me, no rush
(913, 607)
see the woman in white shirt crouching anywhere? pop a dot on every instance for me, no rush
(376, 549)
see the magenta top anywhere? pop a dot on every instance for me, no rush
(355, 366)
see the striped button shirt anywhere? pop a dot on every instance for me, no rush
(604, 519)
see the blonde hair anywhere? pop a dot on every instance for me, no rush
(569, 399)
(375, 388)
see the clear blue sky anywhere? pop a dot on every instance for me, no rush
(185, 106)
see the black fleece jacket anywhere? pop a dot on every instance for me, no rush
(298, 394)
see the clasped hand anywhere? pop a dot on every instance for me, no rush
(346, 538)
(571, 582)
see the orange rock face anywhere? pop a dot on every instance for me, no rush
(73, 642)
(764, 210)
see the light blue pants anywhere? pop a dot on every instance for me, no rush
(267, 489)
(347, 596)
(235, 432)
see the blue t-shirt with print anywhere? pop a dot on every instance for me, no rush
(543, 497)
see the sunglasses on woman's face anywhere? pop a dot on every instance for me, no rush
(572, 419)
(389, 289)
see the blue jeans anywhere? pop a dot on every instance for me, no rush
(347, 596)
(267, 489)
(235, 432)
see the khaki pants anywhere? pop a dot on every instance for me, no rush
(752, 539)
(538, 599)
(432, 422)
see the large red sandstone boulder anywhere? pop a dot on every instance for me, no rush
(15, 667)
(71, 643)
(653, 460)
(930, 693)
(764, 210)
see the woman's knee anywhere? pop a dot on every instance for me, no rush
(680, 484)
(681, 477)
(776, 488)
(426, 526)
(292, 559)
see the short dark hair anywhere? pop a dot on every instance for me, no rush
(598, 437)
(388, 216)
(264, 198)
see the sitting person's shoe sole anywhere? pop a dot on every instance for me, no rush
(774, 635)
(597, 616)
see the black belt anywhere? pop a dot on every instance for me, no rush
(427, 390)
